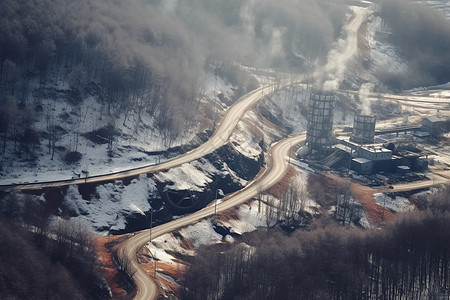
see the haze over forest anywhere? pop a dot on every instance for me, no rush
(162, 48)
(159, 47)
(151, 61)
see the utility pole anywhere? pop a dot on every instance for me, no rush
(215, 204)
(220, 192)
(151, 226)
(151, 222)
(349, 162)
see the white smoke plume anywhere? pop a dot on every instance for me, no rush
(332, 74)
(364, 93)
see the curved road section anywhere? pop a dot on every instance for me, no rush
(147, 288)
(220, 136)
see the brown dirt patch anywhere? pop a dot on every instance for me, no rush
(376, 213)
(169, 285)
(230, 214)
(278, 189)
(185, 244)
(106, 247)
(176, 271)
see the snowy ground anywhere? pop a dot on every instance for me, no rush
(128, 148)
(111, 203)
(397, 204)
(247, 217)
(193, 176)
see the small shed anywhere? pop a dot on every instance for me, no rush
(362, 165)
(433, 125)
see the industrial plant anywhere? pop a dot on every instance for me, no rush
(319, 134)
(362, 150)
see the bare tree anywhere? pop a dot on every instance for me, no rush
(270, 210)
(125, 264)
(344, 208)
(36, 217)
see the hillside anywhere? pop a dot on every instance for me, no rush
(90, 87)
(96, 87)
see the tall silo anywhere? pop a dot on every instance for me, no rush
(363, 129)
(320, 122)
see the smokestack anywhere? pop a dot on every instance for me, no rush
(320, 122)
(363, 129)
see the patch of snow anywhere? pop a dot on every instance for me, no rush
(250, 220)
(245, 142)
(161, 255)
(169, 242)
(228, 239)
(397, 204)
(288, 103)
(111, 203)
(192, 176)
(301, 165)
(364, 221)
(215, 85)
(201, 233)
(269, 133)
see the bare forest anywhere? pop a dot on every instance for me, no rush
(406, 259)
(145, 57)
(46, 258)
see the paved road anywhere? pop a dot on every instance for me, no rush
(436, 179)
(425, 100)
(220, 136)
(226, 127)
(278, 164)
(147, 288)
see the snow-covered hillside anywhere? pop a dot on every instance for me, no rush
(137, 141)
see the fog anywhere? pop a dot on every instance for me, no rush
(422, 36)
(175, 40)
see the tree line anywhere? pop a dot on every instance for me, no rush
(49, 42)
(407, 259)
(46, 258)
(141, 57)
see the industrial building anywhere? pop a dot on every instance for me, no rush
(374, 158)
(361, 152)
(319, 134)
(433, 125)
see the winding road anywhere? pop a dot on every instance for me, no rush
(278, 164)
(220, 137)
(147, 288)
